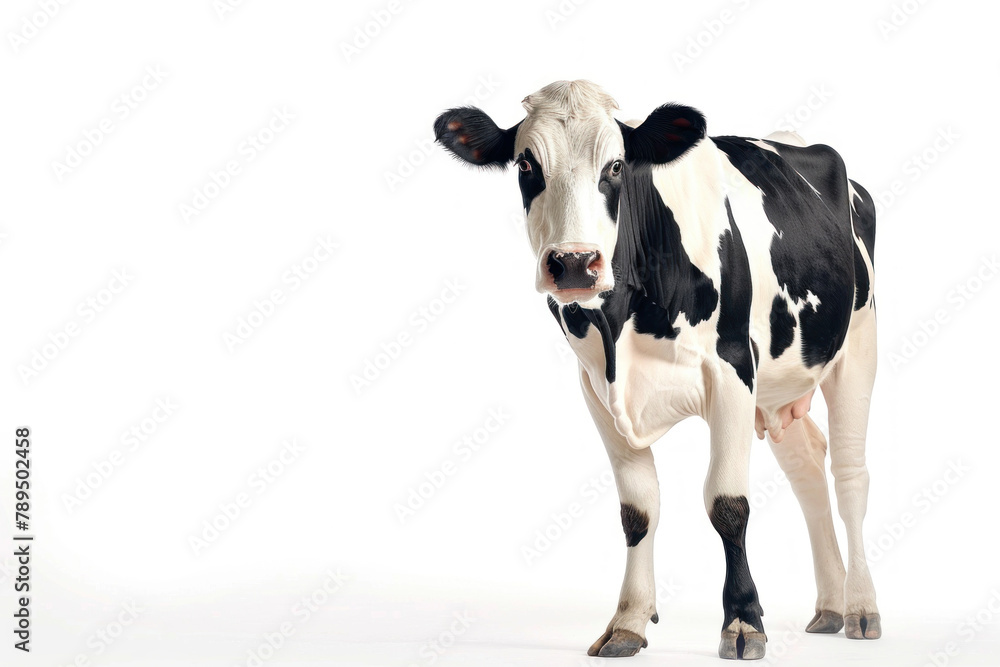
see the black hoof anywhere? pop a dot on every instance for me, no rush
(742, 645)
(826, 621)
(617, 644)
(863, 626)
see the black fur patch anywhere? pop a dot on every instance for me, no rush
(635, 522)
(782, 326)
(651, 260)
(861, 281)
(864, 221)
(471, 135)
(531, 182)
(576, 321)
(736, 292)
(600, 320)
(610, 186)
(729, 516)
(813, 251)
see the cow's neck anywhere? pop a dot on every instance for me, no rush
(655, 279)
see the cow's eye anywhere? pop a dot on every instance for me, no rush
(524, 165)
(616, 167)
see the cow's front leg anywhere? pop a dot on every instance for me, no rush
(639, 493)
(731, 419)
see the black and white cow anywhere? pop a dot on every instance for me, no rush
(722, 277)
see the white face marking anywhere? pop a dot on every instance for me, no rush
(571, 132)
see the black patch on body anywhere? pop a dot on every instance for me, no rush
(729, 516)
(756, 353)
(813, 249)
(736, 292)
(864, 221)
(861, 280)
(531, 182)
(651, 261)
(635, 522)
(576, 321)
(782, 326)
(599, 320)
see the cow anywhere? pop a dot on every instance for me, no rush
(721, 277)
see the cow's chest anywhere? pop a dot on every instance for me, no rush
(658, 381)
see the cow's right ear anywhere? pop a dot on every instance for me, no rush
(472, 136)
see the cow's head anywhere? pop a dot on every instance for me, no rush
(573, 160)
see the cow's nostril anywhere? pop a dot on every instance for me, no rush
(574, 270)
(556, 267)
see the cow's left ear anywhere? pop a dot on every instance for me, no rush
(665, 135)
(472, 136)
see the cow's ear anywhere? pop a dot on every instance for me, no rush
(665, 135)
(472, 136)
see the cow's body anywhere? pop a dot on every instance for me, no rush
(670, 352)
(740, 279)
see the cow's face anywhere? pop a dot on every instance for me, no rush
(573, 161)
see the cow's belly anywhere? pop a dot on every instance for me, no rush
(659, 382)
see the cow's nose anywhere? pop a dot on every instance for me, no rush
(573, 270)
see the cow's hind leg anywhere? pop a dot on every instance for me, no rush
(639, 492)
(848, 395)
(802, 457)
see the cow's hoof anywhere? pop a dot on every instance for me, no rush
(618, 644)
(826, 621)
(863, 626)
(736, 645)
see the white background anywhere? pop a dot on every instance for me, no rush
(355, 166)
